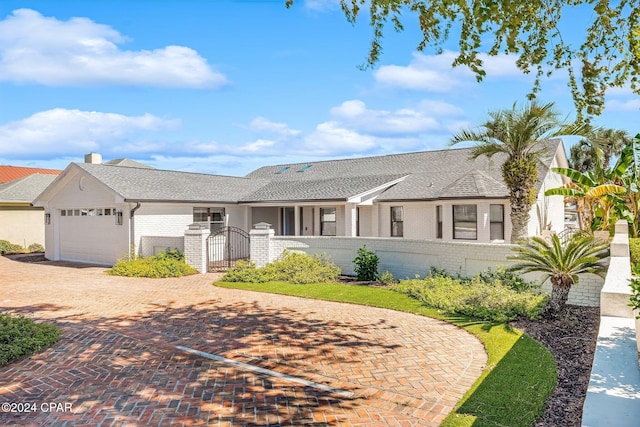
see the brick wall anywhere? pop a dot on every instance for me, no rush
(151, 245)
(405, 258)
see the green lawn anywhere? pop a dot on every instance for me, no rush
(514, 387)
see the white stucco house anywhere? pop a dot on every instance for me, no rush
(99, 212)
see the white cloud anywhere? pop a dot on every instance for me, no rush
(629, 105)
(78, 52)
(60, 131)
(261, 124)
(355, 115)
(329, 138)
(434, 73)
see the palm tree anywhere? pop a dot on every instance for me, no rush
(517, 134)
(562, 264)
(597, 148)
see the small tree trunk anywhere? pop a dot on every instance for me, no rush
(560, 287)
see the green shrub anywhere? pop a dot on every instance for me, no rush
(9, 248)
(244, 271)
(293, 267)
(386, 278)
(509, 279)
(494, 302)
(171, 254)
(302, 268)
(634, 247)
(20, 336)
(635, 295)
(366, 265)
(36, 247)
(158, 266)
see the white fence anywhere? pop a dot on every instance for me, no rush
(405, 258)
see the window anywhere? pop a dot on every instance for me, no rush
(465, 222)
(439, 222)
(63, 212)
(212, 216)
(496, 222)
(397, 223)
(107, 212)
(327, 221)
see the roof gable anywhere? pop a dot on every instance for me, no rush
(144, 184)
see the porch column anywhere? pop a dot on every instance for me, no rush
(296, 220)
(350, 220)
(375, 220)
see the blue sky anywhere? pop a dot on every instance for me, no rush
(227, 86)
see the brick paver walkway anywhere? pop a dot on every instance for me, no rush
(117, 362)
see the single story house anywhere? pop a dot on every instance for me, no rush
(100, 212)
(20, 222)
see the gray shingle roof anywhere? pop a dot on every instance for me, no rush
(128, 163)
(143, 184)
(26, 189)
(318, 189)
(430, 175)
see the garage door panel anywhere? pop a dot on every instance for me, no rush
(91, 239)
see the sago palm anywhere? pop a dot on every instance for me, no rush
(563, 264)
(518, 134)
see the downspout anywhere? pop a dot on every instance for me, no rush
(132, 245)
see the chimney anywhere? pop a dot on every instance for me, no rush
(93, 158)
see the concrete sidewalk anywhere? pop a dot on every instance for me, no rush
(613, 397)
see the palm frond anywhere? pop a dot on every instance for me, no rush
(576, 176)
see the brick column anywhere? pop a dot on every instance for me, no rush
(195, 246)
(261, 236)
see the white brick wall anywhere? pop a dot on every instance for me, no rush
(151, 245)
(405, 258)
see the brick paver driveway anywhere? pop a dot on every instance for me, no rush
(117, 361)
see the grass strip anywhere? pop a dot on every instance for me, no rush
(515, 385)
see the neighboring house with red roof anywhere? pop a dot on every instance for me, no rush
(21, 223)
(10, 173)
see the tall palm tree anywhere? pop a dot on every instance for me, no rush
(597, 148)
(518, 133)
(562, 264)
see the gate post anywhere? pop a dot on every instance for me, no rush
(260, 248)
(195, 246)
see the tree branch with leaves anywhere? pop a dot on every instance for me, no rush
(607, 56)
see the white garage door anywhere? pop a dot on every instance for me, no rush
(91, 235)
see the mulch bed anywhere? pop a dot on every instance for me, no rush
(571, 338)
(30, 257)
